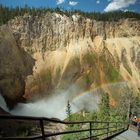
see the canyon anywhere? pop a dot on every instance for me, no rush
(42, 57)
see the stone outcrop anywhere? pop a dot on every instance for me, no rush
(15, 65)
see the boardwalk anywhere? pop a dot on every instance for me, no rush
(128, 135)
(47, 127)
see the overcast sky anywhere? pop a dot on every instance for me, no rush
(84, 5)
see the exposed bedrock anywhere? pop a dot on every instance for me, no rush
(15, 65)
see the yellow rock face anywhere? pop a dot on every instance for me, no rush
(79, 51)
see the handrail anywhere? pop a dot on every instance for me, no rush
(51, 120)
(107, 127)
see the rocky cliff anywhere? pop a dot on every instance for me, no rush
(15, 65)
(73, 51)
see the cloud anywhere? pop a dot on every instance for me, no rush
(119, 4)
(60, 1)
(73, 3)
(125, 10)
(98, 1)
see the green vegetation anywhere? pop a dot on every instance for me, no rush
(102, 115)
(135, 105)
(106, 112)
(112, 73)
(13, 129)
(74, 127)
(129, 102)
(104, 108)
(68, 111)
(23, 131)
(7, 13)
(75, 136)
(88, 80)
(46, 76)
(90, 58)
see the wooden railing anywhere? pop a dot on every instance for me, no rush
(107, 130)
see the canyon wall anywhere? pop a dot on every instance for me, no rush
(75, 51)
(15, 65)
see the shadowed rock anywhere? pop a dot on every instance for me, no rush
(15, 66)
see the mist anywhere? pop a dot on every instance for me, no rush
(3, 103)
(55, 106)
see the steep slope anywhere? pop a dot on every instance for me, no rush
(15, 65)
(78, 51)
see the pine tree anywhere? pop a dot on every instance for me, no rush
(7, 13)
(135, 104)
(125, 105)
(68, 110)
(105, 107)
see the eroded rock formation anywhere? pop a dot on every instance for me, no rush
(15, 65)
(68, 50)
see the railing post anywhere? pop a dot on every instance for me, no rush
(42, 129)
(90, 127)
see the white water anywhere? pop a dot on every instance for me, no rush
(55, 106)
(3, 104)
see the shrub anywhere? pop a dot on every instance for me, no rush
(90, 58)
(46, 76)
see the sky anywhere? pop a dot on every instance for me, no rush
(84, 5)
